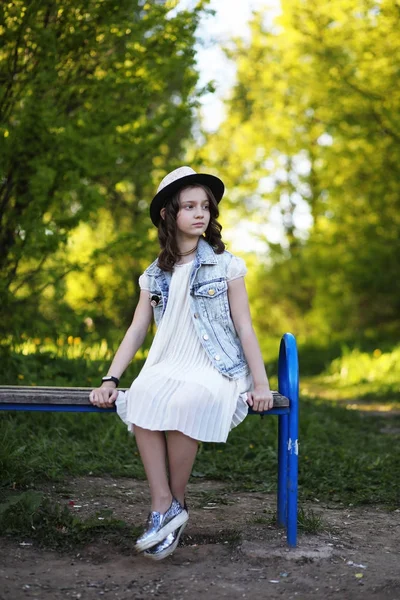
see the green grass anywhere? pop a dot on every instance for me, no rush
(49, 446)
(307, 520)
(344, 456)
(34, 516)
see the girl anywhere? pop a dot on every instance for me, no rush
(204, 367)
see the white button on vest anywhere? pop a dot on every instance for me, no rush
(205, 337)
(217, 357)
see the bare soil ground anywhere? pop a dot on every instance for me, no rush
(226, 552)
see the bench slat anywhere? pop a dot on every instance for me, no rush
(15, 394)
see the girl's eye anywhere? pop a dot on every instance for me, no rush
(190, 206)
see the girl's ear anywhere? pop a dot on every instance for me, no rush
(162, 213)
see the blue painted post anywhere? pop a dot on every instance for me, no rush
(288, 375)
(283, 435)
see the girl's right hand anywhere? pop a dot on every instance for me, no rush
(104, 396)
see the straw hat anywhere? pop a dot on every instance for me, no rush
(177, 179)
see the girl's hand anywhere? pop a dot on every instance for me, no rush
(104, 396)
(260, 398)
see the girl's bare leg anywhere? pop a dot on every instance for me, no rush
(182, 452)
(153, 452)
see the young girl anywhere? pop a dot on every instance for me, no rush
(204, 367)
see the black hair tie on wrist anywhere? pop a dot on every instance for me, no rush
(110, 378)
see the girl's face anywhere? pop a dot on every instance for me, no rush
(194, 213)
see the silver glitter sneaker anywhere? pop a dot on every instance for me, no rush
(159, 525)
(167, 546)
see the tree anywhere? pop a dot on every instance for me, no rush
(96, 99)
(314, 120)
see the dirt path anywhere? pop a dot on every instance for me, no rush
(227, 553)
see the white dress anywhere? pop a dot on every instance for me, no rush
(178, 387)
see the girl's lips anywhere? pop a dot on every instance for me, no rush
(198, 225)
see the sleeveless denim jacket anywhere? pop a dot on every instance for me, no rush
(209, 308)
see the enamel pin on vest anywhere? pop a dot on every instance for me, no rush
(154, 300)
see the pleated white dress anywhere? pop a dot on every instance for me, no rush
(178, 387)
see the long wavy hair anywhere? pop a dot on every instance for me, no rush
(167, 229)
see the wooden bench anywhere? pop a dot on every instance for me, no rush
(60, 399)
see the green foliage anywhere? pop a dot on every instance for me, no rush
(96, 103)
(313, 128)
(360, 367)
(355, 377)
(49, 368)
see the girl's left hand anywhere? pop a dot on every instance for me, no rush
(260, 398)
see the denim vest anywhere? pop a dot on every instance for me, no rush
(209, 308)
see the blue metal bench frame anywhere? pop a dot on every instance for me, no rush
(288, 432)
(288, 437)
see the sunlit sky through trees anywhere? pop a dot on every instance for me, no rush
(230, 21)
(216, 32)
